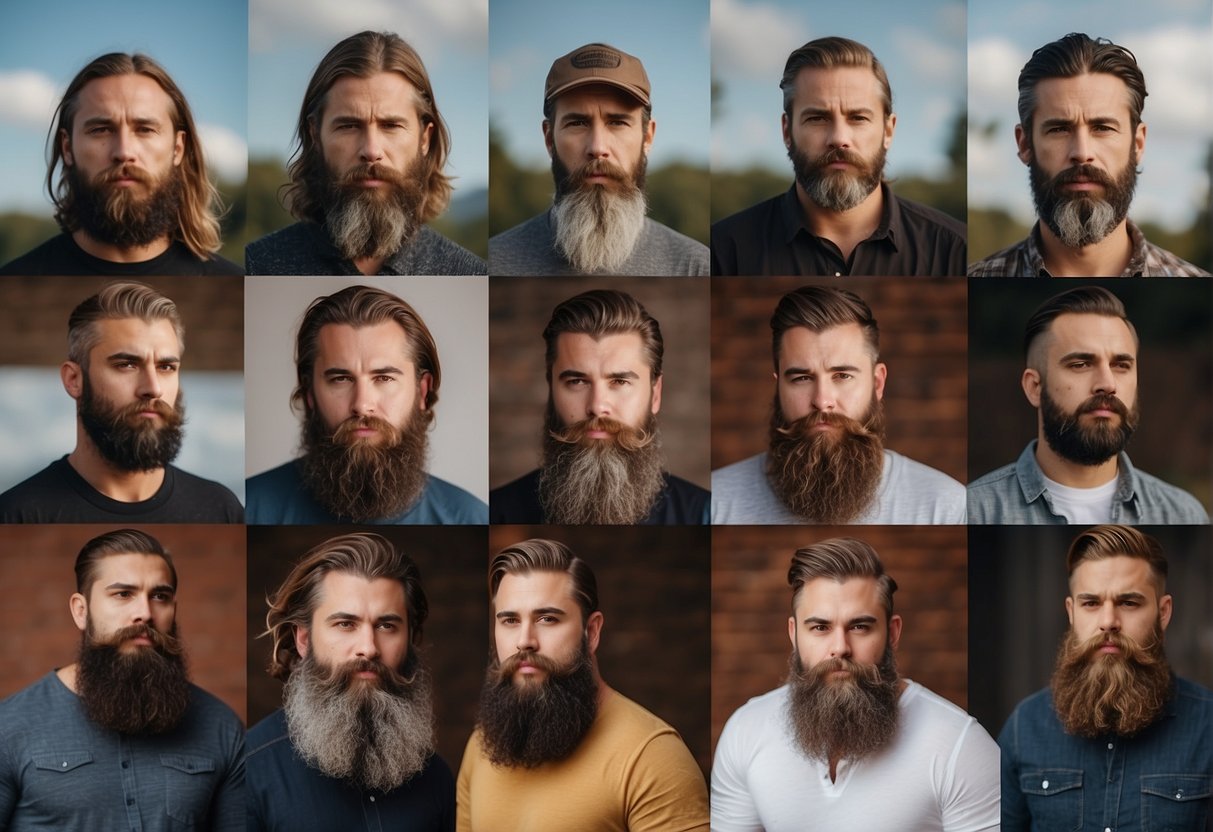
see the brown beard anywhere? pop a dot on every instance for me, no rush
(534, 724)
(373, 222)
(843, 719)
(1087, 444)
(127, 440)
(376, 734)
(828, 476)
(837, 190)
(1097, 694)
(118, 215)
(141, 691)
(356, 479)
(614, 481)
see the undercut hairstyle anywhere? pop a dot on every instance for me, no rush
(818, 308)
(1083, 300)
(198, 217)
(1074, 55)
(538, 555)
(829, 53)
(1099, 542)
(118, 301)
(364, 555)
(118, 542)
(601, 312)
(838, 559)
(360, 306)
(362, 56)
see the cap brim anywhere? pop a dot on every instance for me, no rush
(633, 91)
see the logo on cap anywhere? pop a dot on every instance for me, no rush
(596, 59)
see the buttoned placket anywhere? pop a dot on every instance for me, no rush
(1114, 781)
(130, 785)
(370, 811)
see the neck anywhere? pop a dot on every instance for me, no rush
(118, 254)
(369, 265)
(124, 486)
(1059, 469)
(846, 229)
(1107, 258)
(67, 675)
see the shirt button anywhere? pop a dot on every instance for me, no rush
(1109, 746)
(372, 798)
(130, 801)
(1179, 795)
(838, 274)
(1045, 784)
(125, 763)
(65, 763)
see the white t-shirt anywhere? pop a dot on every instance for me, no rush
(1083, 505)
(940, 774)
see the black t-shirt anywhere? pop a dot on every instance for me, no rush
(680, 504)
(57, 494)
(61, 256)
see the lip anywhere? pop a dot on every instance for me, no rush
(1102, 412)
(1082, 185)
(822, 427)
(367, 674)
(839, 165)
(1109, 648)
(597, 434)
(370, 183)
(140, 640)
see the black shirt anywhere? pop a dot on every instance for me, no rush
(771, 238)
(680, 503)
(60, 256)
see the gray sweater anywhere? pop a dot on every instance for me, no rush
(305, 249)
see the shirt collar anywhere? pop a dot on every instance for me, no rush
(890, 217)
(1135, 268)
(1032, 479)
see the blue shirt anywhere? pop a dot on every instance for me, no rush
(285, 794)
(1160, 779)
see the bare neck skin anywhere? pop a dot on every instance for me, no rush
(845, 229)
(1107, 258)
(901, 686)
(67, 675)
(1062, 470)
(118, 254)
(124, 486)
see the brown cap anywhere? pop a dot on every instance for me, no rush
(597, 63)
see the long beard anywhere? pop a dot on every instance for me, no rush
(1078, 218)
(612, 481)
(120, 216)
(127, 440)
(374, 222)
(536, 723)
(837, 190)
(843, 719)
(359, 480)
(827, 476)
(598, 225)
(1092, 444)
(1096, 694)
(376, 734)
(144, 690)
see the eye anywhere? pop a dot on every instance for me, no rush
(818, 628)
(549, 619)
(389, 626)
(620, 382)
(860, 118)
(844, 376)
(863, 628)
(385, 378)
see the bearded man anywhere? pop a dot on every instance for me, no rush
(1116, 740)
(366, 175)
(839, 217)
(92, 744)
(602, 460)
(555, 748)
(827, 462)
(368, 379)
(598, 129)
(1081, 376)
(1081, 135)
(353, 743)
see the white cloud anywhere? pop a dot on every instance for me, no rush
(226, 152)
(994, 65)
(456, 22)
(27, 98)
(1177, 65)
(753, 39)
(933, 59)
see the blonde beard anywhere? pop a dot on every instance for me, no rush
(597, 229)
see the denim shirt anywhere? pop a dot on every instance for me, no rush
(1160, 779)
(1015, 495)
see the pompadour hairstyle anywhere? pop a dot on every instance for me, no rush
(117, 542)
(538, 555)
(601, 312)
(1099, 542)
(198, 217)
(117, 301)
(828, 53)
(838, 559)
(1077, 54)
(360, 306)
(818, 308)
(361, 56)
(365, 555)
(1082, 300)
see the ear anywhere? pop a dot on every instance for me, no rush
(785, 127)
(65, 148)
(894, 631)
(657, 395)
(78, 605)
(1030, 382)
(1023, 143)
(648, 135)
(425, 139)
(792, 632)
(1139, 140)
(549, 140)
(423, 389)
(593, 630)
(890, 124)
(72, 376)
(1164, 612)
(1070, 609)
(303, 640)
(879, 375)
(179, 148)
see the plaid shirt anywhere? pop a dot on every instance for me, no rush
(1024, 259)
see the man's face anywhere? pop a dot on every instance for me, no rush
(830, 371)
(537, 613)
(372, 121)
(1116, 595)
(841, 620)
(599, 124)
(357, 619)
(129, 590)
(605, 377)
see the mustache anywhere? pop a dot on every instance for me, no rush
(342, 676)
(1089, 173)
(804, 426)
(860, 673)
(1103, 401)
(344, 434)
(135, 410)
(597, 167)
(506, 669)
(163, 642)
(840, 154)
(626, 436)
(123, 170)
(1131, 650)
(372, 170)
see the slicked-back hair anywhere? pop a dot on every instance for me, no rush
(362, 56)
(538, 555)
(838, 559)
(117, 542)
(601, 312)
(117, 301)
(360, 306)
(818, 308)
(1108, 541)
(1081, 300)
(1074, 55)
(364, 555)
(198, 217)
(828, 53)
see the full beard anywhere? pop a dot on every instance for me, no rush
(837, 719)
(837, 190)
(1083, 444)
(1096, 694)
(356, 479)
(533, 724)
(827, 476)
(144, 690)
(1078, 218)
(374, 222)
(120, 216)
(376, 734)
(612, 481)
(128, 440)
(598, 225)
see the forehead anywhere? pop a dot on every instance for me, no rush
(837, 344)
(131, 95)
(595, 97)
(340, 342)
(387, 93)
(850, 87)
(133, 568)
(830, 599)
(347, 592)
(136, 335)
(535, 590)
(623, 349)
(1086, 96)
(1113, 576)
(1090, 333)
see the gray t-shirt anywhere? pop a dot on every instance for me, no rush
(529, 250)
(909, 494)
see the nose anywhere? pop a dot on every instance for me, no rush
(840, 648)
(527, 638)
(823, 397)
(123, 146)
(141, 610)
(149, 383)
(1080, 148)
(599, 144)
(1109, 619)
(365, 402)
(365, 646)
(372, 145)
(840, 133)
(1104, 380)
(600, 401)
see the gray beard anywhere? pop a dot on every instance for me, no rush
(596, 229)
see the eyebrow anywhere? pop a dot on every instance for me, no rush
(539, 611)
(1124, 596)
(624, 374)
(573, 115)
(107, 121)
(132, 587)
(859, 619)
(139, 359)
(837, 368)
(349, 616)
(823, 111)
(1090, 356)
(380, 371)
(1070, 122)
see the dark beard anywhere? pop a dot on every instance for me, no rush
(837, 190)
(1098, 694)
(597, 226)
(843, 719)
(535, 724)
(614, 481)
(829, 476)
(376, 734)
(144, 691)
(1077, 218)
(1091, 444)
(355, 479)
(127, 440)
(117, 215)
(373, 222)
